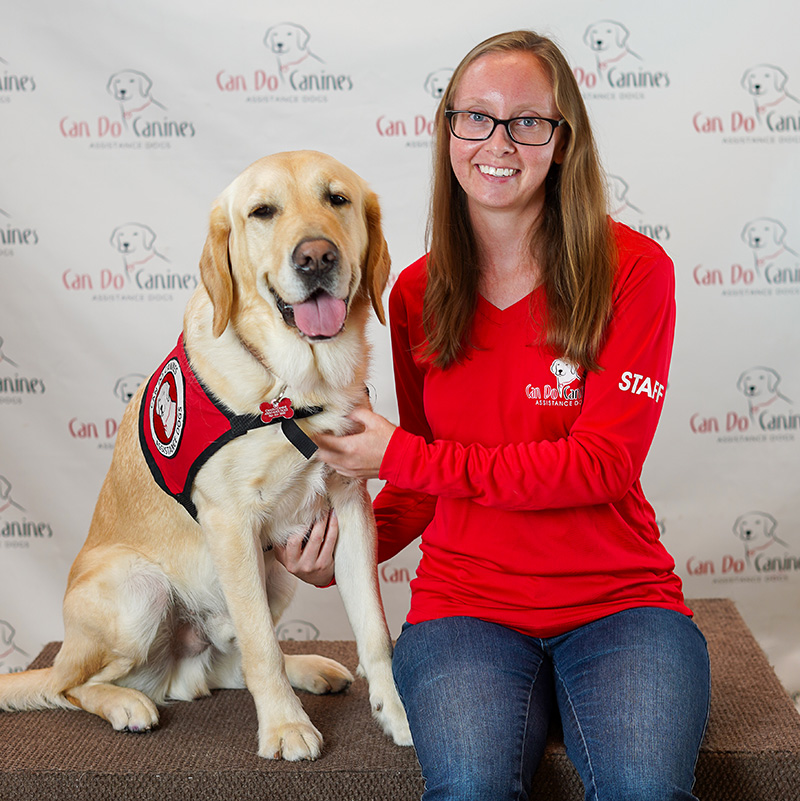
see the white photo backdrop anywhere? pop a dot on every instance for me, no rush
(121, 122)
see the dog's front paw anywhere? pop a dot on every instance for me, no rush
(291, 741)
(391, 716)
(317, 674)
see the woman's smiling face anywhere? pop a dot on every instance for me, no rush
(499, 174)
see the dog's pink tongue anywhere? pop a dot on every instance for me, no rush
(321, 316)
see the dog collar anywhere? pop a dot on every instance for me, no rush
(767, 259)
(762, 107)
(182, 425)
(609, 61)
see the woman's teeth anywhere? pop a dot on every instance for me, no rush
(499, 172)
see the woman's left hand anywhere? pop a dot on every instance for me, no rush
(357, 455)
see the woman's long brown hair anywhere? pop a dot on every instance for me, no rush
(573, 241)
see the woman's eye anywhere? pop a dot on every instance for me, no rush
(527, 122)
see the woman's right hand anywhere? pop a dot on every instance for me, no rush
(309, 555)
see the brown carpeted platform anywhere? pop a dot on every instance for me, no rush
(205, 750)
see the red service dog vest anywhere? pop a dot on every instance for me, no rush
(182, 425)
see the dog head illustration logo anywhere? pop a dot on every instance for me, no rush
(757, 531)
(133, 91)
(136, 243)
(766, 84)
(760, 386)
(766, 238)
(297, 630)
(566, 373)
(436, 82)
(126, 387)
(167, 409)
(608, 40)
(290, 45)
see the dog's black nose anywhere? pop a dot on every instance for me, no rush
(315, 257)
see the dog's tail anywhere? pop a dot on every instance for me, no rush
(32, 689)
(47, 688)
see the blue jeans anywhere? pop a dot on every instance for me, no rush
(632, 690)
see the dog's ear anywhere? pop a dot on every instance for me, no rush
(779, 78)
(6, 633)
(778, 231)
(149, 236)
(378, 261)
(773, 379)
(215, 269)
(145, 84)
(303, 37)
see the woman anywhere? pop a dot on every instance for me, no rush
(531, 349)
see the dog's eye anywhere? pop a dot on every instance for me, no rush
(337, 200)
(263, 212)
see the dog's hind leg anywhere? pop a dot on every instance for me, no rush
(115, 605)
(124, 708)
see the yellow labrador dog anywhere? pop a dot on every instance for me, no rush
(175, 591)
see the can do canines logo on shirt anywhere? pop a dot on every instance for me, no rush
(167, 411)
(568, 390)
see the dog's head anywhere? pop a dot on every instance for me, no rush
(286, 38)
(606, 35)
(764, 79)
(763, 233)
(564, 371)
(758, 382)
(755, 527)
(126, 387)
(436, 82)
(129, 85)
(133, 238)
(297, 238)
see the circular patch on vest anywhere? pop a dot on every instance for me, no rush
(167, 409)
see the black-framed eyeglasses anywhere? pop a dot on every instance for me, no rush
(476, 127)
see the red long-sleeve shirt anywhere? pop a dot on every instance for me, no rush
(523, 477)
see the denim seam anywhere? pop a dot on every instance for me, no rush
(580, 730)
(525, 730)
(708, 715)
